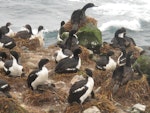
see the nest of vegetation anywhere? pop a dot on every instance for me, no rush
(30, 44)
(101, 101)
(136, 90)
(68, 25)
(47, 96)
(8, 105)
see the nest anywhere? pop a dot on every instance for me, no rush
(135, 91)
(68, 25)
(105, 105)
(85, 55)
(8, 105)
(30, 44)
(48, 95)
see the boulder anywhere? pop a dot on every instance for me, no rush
(144, 62)
(92, 109)
(89, 36)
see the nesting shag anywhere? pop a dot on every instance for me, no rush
(39, 76)
(27, 33)
(62, 53)
(12, 67)
(82, 89)
(106, 62)
(123, 74)
(69, 65)
(78, 16)
(61, 30)
(6, 42)
(6, 30)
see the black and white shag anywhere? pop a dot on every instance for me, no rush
(106, 62)
(25, 34)
(12, 67)
(6, 30)
(6, 42)
(82, 89)
(39, 76)
(69, 65)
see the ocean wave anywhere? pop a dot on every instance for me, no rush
(132, 25)
(50, 37)
(130, 9)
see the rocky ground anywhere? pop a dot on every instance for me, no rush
(54, 99)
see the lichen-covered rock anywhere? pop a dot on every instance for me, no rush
(144, 62)
(92, 109)
(89, 36)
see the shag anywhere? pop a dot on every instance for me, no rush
(106, 62)
(39, 76)
(69, 65)
(12, 67)
(25, 34)
(6, 30)
(78, 16)
(82, 89)
(6, 42)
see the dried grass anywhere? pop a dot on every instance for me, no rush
(8, 105)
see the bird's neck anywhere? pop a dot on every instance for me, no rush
(15, 60)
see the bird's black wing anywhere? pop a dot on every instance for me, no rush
(32, 76)
(4, 86)
(8, 42)
(76, 91)
(102, 61)
(65, 63)
(78, 85)
(23, 34)
(4, 30)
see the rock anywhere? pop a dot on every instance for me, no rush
(60, 85)
(139, 107)
(89, 36)
(135, 111)
(144, 62)
(92, 109)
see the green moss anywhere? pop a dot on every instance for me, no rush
(89, 36)
(144, 62)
